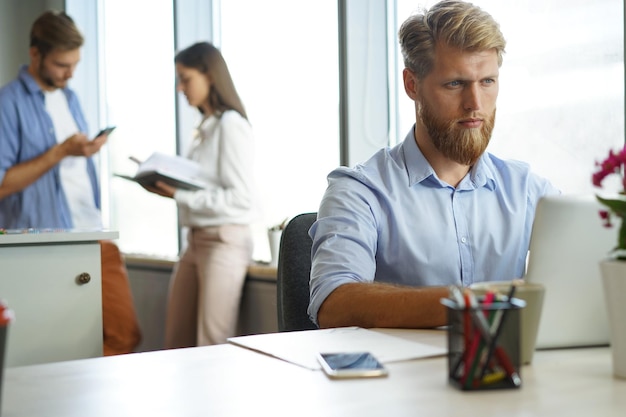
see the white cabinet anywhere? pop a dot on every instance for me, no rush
(52, 281)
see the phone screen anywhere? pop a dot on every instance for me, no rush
(351, 365)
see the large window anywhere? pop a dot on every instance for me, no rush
(284, 66)
(283, 57)
(561, 102)
(138, 95)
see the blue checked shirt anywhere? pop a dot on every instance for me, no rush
(26, 131)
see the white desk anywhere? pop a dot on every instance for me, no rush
(227, 380)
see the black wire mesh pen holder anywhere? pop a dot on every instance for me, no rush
(4, 329)
(484, 345)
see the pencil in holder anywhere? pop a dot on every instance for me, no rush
(484, 343)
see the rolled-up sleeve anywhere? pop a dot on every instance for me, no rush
(9, 143)
(344, 239)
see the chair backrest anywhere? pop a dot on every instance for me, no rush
(294, 270)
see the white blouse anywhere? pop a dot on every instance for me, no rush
(224, 147)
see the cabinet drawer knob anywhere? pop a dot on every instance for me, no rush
(83, 278)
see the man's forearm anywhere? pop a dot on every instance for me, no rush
(22, 175)
(371, 305)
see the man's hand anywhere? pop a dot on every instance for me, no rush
(80, 145)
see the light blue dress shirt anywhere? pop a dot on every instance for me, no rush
(392, 220)
(26, 132)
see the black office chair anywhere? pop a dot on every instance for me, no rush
(294, 270)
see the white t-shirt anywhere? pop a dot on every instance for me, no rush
(74, 177)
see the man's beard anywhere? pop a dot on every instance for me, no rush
(464, 146)
(47, 80)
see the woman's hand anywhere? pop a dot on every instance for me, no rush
(161, 189)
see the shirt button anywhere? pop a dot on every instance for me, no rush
(463, 240)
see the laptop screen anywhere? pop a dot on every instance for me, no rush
(567, 243)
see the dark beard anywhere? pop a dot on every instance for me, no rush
(464, 146)
(43, 75)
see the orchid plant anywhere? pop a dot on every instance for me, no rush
(616, 207)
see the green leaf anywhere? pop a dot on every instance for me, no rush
(616, 206)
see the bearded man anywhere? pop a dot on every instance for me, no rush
(48, 177)
(393, 233)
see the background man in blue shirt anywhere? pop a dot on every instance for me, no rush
(48, 178)
(394, 232)
(41, 127)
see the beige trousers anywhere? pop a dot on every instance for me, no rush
(206, 286)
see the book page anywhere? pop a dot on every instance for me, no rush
(177, 166)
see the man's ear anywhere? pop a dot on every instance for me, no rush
(411, 84)
(34, 54)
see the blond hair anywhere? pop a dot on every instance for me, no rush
(454, 23)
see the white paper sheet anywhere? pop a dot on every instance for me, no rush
(302, 347)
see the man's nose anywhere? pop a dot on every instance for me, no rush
(69, 73)
(472, 97)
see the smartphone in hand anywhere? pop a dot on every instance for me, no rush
(106, 130)
(351, 365)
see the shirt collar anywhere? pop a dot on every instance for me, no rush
(419, 169)
(28, 81)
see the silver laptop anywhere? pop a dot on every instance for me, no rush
(568, 240)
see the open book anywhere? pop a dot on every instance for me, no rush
(176, 171)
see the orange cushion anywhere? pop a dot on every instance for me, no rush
(121, 331)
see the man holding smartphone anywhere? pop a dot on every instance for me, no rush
(48, 178)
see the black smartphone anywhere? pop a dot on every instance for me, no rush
(106, 130)
(351, 365)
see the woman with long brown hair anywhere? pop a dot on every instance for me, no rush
(207, 282)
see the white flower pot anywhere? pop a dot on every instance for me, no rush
(614, 282)
(274, 240)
